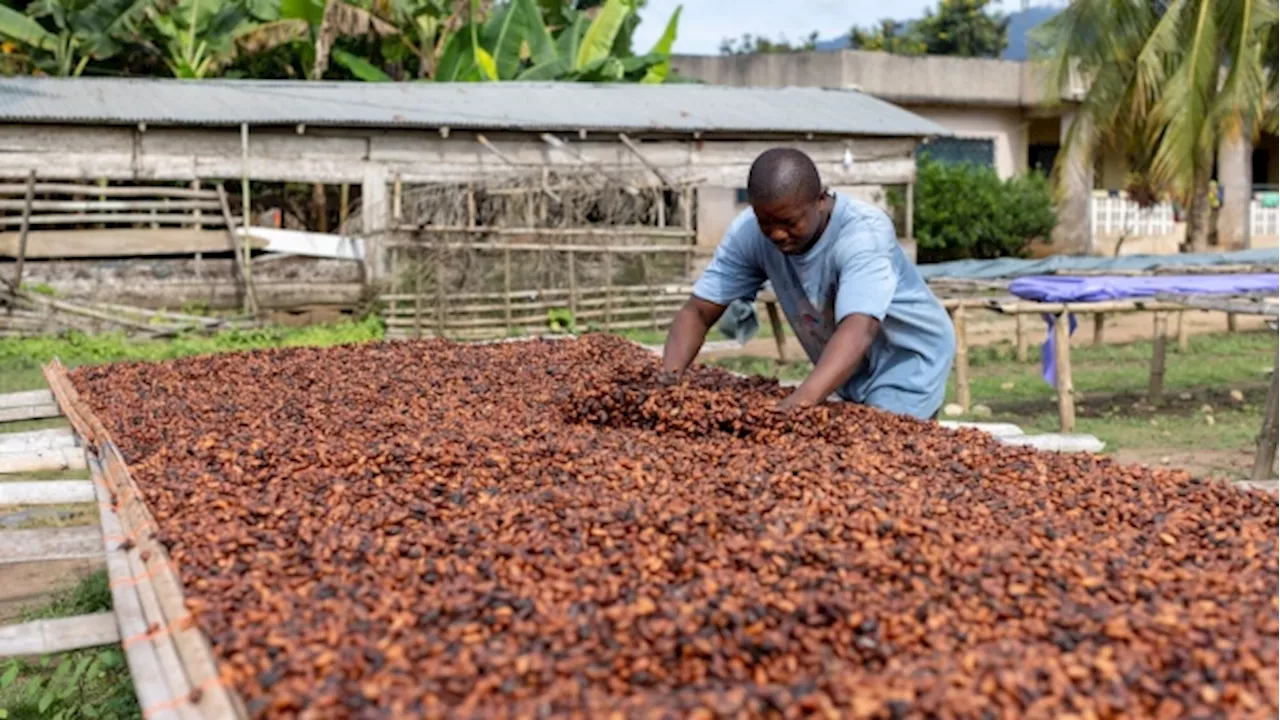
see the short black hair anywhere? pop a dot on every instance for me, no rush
(781, 174)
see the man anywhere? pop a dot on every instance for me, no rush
(873, 329)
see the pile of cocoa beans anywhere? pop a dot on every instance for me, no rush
(546, 528)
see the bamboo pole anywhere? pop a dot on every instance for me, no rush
(536, 247)
(1155, 387)
(506, 290)
(1062, 362)
(573, 285)
(646, 268)
(418, 270)
(1099, 328)
(22, 234)
(608, 289)
(1184, 331)
(196, 216)
(344, 199)
(250, 300)
(439, 276)
(613, 231)
(1265, 460)
(963, 389)
(103, 191)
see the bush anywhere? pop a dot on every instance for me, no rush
(966, 211)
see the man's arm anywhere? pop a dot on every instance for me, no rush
(840, 358)
(687, 333)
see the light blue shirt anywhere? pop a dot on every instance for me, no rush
(856, 266)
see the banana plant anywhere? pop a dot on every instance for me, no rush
(199, 36)
(61, 37)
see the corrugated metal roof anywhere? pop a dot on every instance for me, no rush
(678, 108)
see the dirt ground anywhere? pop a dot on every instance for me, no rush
(989, 328)
(34, 584)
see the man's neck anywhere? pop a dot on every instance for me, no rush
(828, 202)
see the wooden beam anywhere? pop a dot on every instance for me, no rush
(25, 398)
(635, 150)
(44, 544)
(1265, 459)
(47, 460)
(120, 242)
(36, 440)
(44, 637)
(779, 336)
(29, 412)
(963, 389)
(484, 142)
(1020, 337)
(106, 191)
(86, 206)
(46, 492)
(1099, 328)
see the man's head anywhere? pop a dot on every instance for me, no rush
(786, 194)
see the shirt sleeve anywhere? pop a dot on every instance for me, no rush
(867, 277)
(734, 272)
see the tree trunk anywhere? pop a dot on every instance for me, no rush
(1198, 213)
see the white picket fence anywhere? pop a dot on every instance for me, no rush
(1263, 221)
(1118, 215)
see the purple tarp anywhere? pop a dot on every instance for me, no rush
(1049, 288)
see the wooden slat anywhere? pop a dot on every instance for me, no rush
(111, 205)
(27, 397)
(51, 459)
(109, 191)
(77, 218)
(50, 544)
(36, 440)
(46, 492)
(45, 244)
(43, 637)
(29, 412)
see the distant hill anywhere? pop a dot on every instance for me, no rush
(1020, 23)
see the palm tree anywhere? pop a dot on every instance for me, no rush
(1169, 80)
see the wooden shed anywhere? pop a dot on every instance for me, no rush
(412, 151)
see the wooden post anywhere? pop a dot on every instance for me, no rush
(608, 290)
(1156, 385)
(1062, 362)
(662, 208)
(1265, 460)
(250, 299)
(506, 290)
(397, 194)
(418, 270)
(963, 391)
(1099, 328)
(439, 274)
(775, 322)
(1232, 323)
(909, 226)
(1184, 332)
(344, 199)
(22, 232)
(197, 216)
(1020, 336)
(573, 287)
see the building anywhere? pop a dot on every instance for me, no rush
(413, 153)
(1001, 115)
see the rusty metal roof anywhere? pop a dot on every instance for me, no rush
(669, 108)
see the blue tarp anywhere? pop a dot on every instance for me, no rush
(1015, 267)
(1093, 289)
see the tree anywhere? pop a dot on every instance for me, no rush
(750, 44)
(1168, 80)
(961, 28)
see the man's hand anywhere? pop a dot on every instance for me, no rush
(667, 378)
(791, 402)
(840, 358)
(688, 330)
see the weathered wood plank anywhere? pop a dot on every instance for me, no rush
(46, 492)
(49, 244)
(27, 397)
(43, 637)
(29, 412)
(36, 440)
(43, 544)
(50, 459)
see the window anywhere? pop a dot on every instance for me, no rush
(974, 151)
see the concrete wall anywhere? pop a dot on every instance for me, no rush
(1006, 127)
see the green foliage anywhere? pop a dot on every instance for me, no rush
(967, 211)
(560, 320)
(91, 595)
(40, 289)
(750, 44)
(962, 28)
(78, 349)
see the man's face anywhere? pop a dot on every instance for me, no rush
(789, 223)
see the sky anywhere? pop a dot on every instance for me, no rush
(704, 23)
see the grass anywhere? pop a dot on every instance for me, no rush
(89, 683)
